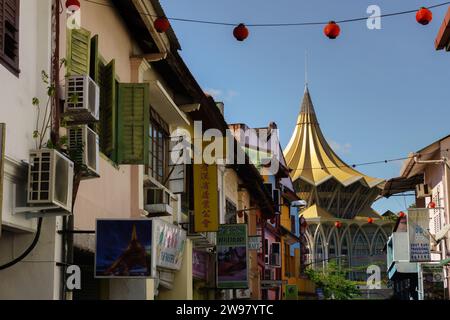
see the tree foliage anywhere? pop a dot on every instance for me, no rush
(333, 282)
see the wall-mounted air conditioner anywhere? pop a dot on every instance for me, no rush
(422, 191)
(50, 179)
(82, 100)
(157, 202)
(83, 147)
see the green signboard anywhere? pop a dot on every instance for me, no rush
(291, 292)
(232, 257)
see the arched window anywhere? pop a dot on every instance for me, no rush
(319, 255)
(379, 243)
(360, 256)
(332, 246)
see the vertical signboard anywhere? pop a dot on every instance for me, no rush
(2, 159)
(418, 234)
(232, 257)
(123, 249)
(206, 211)
(431, 282)
(200, 261)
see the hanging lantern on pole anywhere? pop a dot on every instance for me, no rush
(424, 16)
(370, 220)
(161, 24)
(338, 224)
(432, 205)
(401, 214)
(73, 5)
(332, 30)
(241, 32)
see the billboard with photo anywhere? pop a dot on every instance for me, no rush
(232, 257)
(419, 237)
(431, 282)
(123, 248)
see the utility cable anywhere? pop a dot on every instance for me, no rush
(311, 23)
(28, 250)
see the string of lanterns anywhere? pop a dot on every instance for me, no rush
(241, 31)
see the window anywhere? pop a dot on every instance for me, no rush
(293, 224)
(230, 212)
(158, 148)
(9, 34)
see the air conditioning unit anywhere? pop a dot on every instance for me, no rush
(422, 191)
(157, 202)
(83, 147)
(82, 100)
(50, 179)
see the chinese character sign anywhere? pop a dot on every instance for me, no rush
(206, 211)
(419, 237)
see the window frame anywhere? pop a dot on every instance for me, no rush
(11, 64)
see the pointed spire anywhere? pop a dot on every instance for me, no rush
(134, 233)
(307, 105)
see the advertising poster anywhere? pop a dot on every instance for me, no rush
(431, 282)
(199, 265)
(206, 204)
(232, 259)
(170, 241)
(123, 249)
(419, 238)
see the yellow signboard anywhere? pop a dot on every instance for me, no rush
(206, 204)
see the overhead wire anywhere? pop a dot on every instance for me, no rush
(289, 24)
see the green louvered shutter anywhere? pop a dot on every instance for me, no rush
(94, 63)
(78, 52)
(107, 124)
(133, 123)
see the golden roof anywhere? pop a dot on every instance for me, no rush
(312, 159)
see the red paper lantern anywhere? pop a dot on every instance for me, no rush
(370, 220)
(432, 205)
(161, 24)
(240, 214)
(424, 16)
(332, 30)
(338, 224)
(240, 32)
(401, 214)
(73, 5)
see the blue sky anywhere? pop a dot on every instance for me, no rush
(379, 94)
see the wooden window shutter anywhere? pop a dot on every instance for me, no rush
(1, 27)
(78, 52)
(94, 63)
(133, 124)
(107, 124)
(9, 33)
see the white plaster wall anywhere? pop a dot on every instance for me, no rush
(37, 276)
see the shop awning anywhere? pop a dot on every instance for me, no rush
(401, 184)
